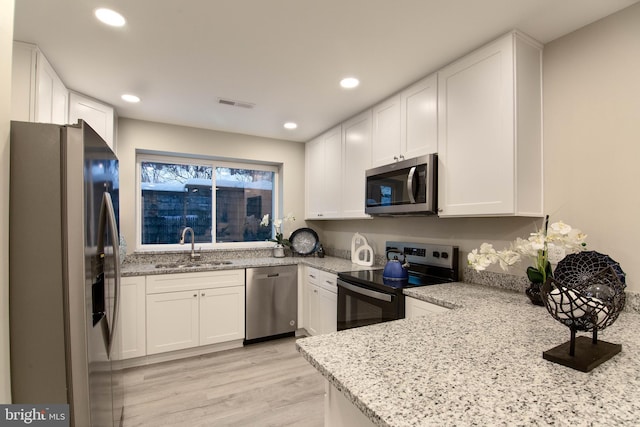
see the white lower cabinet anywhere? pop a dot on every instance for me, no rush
(322, 301)
(172, 321)
(132, 324)
(192, 309)
(221, 315)
(340, 412)
(418, 308)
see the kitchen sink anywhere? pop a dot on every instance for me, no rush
(192, 264)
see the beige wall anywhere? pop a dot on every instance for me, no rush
(141, 135)
(6, 45)
(592, 134)
(592, 147)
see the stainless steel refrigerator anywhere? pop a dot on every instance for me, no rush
(64, 279)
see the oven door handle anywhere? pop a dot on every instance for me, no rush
(367, 292)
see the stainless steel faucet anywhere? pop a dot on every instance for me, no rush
(194, 255)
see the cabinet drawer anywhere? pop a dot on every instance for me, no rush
(323, 279)
(198, 280)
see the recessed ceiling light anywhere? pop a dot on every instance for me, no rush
(290, 125)
(130, 98)
(349, 82)
(110, 17)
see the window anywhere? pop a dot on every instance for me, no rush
(175, 193)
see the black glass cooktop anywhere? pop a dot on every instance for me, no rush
(374, 279)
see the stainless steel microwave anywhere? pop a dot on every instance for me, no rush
(408, 187)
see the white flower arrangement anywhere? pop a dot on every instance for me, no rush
(548, 246)
(277, 224)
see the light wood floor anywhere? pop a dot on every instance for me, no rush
(264, 384)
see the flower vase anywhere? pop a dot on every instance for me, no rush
(533, 292)
(278, 251)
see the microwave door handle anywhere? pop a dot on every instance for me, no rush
(367, 292)
(412, 172)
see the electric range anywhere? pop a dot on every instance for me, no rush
(366, 297)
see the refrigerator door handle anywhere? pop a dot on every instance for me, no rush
(107, 215)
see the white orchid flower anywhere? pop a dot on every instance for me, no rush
(547, 245)
(560, 228)
(265, 220)
(478, 261)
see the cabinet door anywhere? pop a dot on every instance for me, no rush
(386, 132)
(314, 326)
(99, 116)
(132, 325)
(418, 308)
(221, 315)
(332, 179)
(314, 161)
(37, 93)
(172, 321)
(328, 307)
(476, 133)
(356, 137)
(52, 98)
(23, 82)
(419, 113)
(323, 159)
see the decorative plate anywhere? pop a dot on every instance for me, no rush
(304, 241)
(576, 269)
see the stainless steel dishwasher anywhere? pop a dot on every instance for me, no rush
(271, 302)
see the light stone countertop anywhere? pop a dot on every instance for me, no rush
(479, 364)
(330, 264)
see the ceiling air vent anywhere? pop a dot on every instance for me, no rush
(232, 103)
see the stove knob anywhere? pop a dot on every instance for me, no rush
(436, 254)
(445, 255)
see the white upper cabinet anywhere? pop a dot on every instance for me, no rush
(489, 133)
(406, 125)
(323, 161)
(385, 148)
(356, 140)
(336, 162)
(38, 94)
(419, 118)
(100, 116)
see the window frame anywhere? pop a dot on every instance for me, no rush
(213, 162)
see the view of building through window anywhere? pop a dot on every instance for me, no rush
(175, 196)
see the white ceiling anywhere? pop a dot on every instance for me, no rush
(284, 56)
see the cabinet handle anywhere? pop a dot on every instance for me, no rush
(329, 282)
(202, 294)
(195, 295)
(395, 158)
(315, 291)
(401, 157)
(319, 214)
(312, 276)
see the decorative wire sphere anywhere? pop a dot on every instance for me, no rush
(586, 292)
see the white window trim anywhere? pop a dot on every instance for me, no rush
(214, 162)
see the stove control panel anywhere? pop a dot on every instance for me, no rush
(427, 253)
